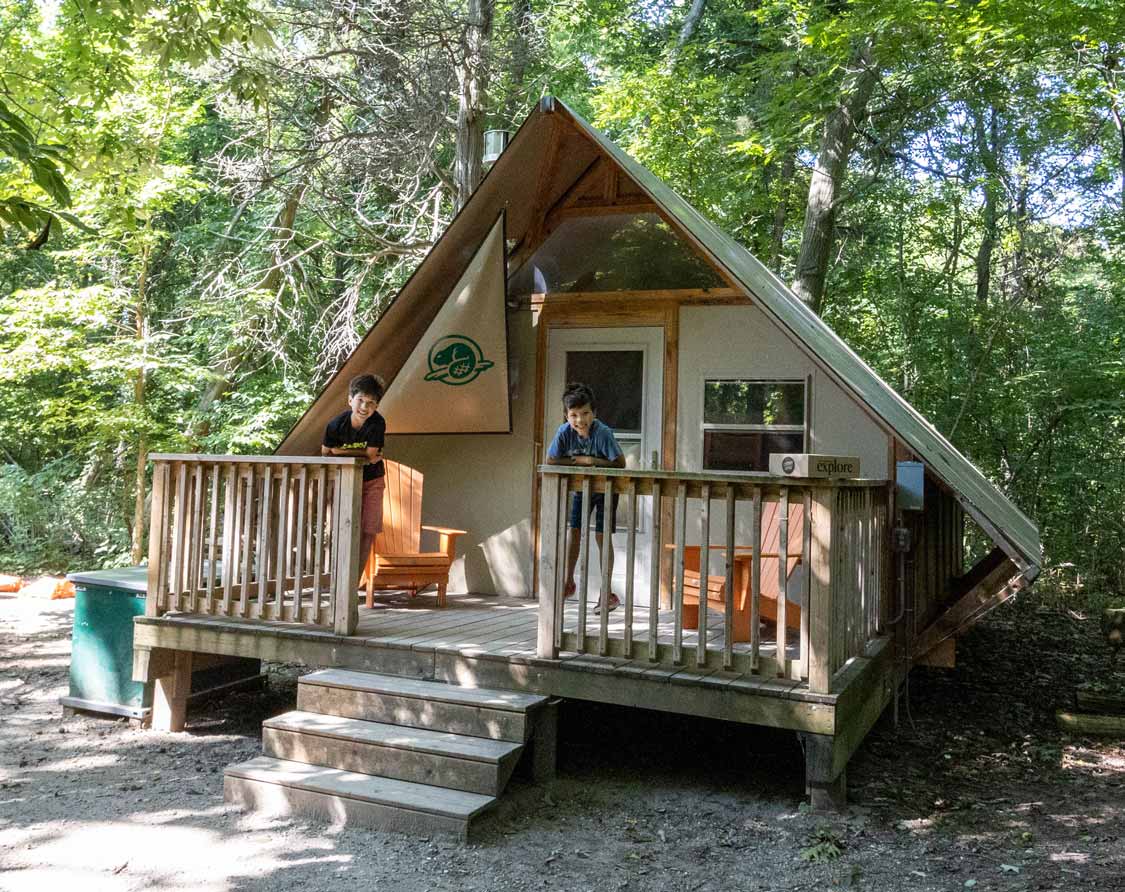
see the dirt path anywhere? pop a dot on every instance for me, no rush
(975, 790)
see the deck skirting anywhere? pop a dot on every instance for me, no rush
(497, 650)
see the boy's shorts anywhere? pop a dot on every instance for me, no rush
(597, 508)
(371, 519)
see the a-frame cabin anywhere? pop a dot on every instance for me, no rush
(571, 261)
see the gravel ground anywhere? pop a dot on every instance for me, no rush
(975, 789)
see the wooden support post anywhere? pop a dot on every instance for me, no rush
(820, 591)
(345, 609)
(545, 742)
(827, 792)
(550, 486)
(157, 537)
(169, 699)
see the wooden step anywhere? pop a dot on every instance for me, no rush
(453, 761)
(497, 715)
(280, 787)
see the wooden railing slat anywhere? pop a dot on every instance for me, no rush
(583, 562)
(213, 535)
(606, 556)
(755, 577)
(247, 487)
(196, 564)
(630, 560)
(729, 563)
(262, 540)
(281, 558)
(704, 573)
(317, 542)
(678, 575)
(178, 538)
(654, 575)
(561, 547)
(299, 542)
(230, 536)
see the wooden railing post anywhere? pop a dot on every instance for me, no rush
(820, 590)
(157, 540)
(345, 610)
(549, 485)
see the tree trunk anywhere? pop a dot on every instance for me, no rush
(686, 31)
(826, 185)
(136, 551)
(988, 144)
(472, 79)
(781, 210)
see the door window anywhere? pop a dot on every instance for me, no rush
(617, 379)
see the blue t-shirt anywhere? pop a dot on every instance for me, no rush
(601, 443)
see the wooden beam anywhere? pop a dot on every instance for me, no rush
(944, 656)
(598, 210)
(169, 699)
(987, 592)
(592, 170)
(704, 296)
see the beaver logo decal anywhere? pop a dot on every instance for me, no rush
(456, 359)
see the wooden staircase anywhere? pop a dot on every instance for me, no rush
(393, 753)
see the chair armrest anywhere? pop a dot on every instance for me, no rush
(447, 538)
(448, 530)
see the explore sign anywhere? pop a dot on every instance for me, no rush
(803, 464)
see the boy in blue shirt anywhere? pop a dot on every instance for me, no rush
(583, 440)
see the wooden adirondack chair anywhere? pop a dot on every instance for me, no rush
(396, 560)
(716, 585)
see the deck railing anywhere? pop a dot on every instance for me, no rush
(842, 546)
(256, 537)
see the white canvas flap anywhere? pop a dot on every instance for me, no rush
(456, 379)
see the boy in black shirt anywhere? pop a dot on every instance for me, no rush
(361, 431)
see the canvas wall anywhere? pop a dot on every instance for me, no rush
(740, 342)
(482, 483)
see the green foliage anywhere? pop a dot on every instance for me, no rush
(823, 844)
(172, 139)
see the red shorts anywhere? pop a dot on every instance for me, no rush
(371, 519)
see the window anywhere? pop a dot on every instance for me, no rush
(745, 421)
(617, 379)
(616, 252)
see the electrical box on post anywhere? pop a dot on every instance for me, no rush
(910, 485)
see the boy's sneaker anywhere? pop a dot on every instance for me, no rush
(612, 603)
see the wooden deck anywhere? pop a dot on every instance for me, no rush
(487, 641)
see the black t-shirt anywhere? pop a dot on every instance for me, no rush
(339, 434)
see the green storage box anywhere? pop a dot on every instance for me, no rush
(101, 658)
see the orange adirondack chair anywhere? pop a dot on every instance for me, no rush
(396, 561)
(717, 585)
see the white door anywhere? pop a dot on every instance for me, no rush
(625, 369)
